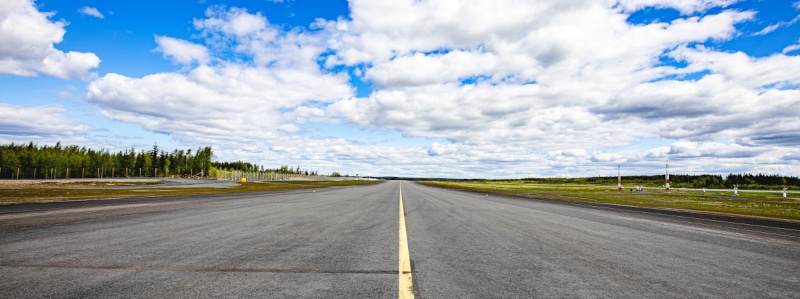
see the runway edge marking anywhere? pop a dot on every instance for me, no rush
(405, 284)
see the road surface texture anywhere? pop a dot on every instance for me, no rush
(343, 243)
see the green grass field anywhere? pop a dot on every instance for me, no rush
(753, 204)
(49, 193)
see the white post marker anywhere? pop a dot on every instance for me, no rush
(666, 186)
(784, 192)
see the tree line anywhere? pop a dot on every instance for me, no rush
(250, 167)
(744, 181)
(30, 161)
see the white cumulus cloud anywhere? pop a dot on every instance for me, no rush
(497, 88)
(182, 51)
(775, 26)
(228, 103)
(549, 75)
(27, 39)
(791, 48)
(25, 122)
(91, 11)
(684, 6)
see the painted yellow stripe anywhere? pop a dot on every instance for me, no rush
(405, 285)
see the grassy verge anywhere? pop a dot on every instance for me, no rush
(51, 194)
(770, 205)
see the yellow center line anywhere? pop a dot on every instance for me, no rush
(405, 286)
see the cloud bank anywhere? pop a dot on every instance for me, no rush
(226, 102)
(37, 122)
(528, 88)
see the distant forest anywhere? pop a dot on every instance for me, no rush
(744, 181)
(30, 161)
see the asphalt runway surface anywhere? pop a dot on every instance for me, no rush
(343, 243)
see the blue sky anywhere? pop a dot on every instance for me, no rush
(484, 89)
